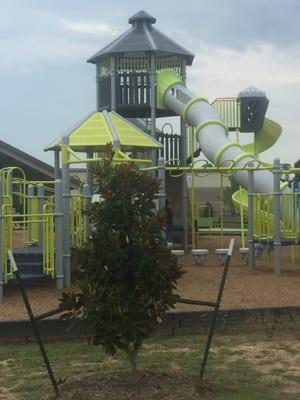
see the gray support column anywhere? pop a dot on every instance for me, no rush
(87, 202)
(59, 232)
(251, 259)
(153, 104)
(183, 157)
(30, 192)
(277, 215)
(1, 266)
(89, 174)
(113, 83)
(162, 187)
(184, 187)
(57, 171)
(66, 218)
(41, 200)
(89, 187)
(162, 178)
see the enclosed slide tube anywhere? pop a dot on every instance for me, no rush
(211, 132)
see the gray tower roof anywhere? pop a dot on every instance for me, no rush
(142, 36)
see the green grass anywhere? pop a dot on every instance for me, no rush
(232, 375)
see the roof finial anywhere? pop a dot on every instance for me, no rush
(142, 16)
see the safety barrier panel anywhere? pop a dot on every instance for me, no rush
(229, 110)
(263, 221)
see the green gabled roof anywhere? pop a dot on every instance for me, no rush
(101, 128)
(130, 135)
(92, 132)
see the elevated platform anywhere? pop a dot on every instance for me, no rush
(283, 242)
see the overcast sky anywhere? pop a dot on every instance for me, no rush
(46, 84)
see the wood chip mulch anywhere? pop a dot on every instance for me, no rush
(244, 288)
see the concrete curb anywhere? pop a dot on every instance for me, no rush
(173, 324)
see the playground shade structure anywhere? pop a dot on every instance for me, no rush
(101, 128)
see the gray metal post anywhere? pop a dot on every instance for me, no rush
(88, 189)
(277, 214)
(162, 187)
(183, 157)
(41, 200)
(184, 188)
(1, 266)
(59, 232)
(251, 259)
(153, 104)
(66, 217)
(57, 171)
(162, 178)
(113, 83)
(89, 174)
(87, 201)
(30, 192)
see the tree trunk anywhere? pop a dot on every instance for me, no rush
(132, 358)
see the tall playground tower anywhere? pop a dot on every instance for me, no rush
(126, 71)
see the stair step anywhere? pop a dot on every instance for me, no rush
(30, 269)
(29, 262)
(29, 279)
(32, 276)
(26, 256)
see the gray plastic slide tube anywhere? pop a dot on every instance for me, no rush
(212, 136)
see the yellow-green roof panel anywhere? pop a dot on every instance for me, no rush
(101, 128)
(93, 132)
(130, 135)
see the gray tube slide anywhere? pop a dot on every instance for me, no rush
(212, 135)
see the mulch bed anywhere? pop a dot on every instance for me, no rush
(150, 386)
(244, 288)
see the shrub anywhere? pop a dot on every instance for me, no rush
(127, 272)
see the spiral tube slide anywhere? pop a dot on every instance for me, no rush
(264, 139)
(211, 132)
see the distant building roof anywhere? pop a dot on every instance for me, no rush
(34, 168)
(142, 36)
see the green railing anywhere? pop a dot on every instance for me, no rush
(23, 214)
(31, 220)
(229, 110)
(6, 237)
(77, 220)
(49, 238)
(263, 222)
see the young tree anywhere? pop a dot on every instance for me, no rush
(128, 274)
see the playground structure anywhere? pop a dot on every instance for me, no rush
(140, 77)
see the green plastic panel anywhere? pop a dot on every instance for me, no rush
(130, 136)
(163, 81)
(265, 138)
(93, 132)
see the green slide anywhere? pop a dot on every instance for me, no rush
(264, 139)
